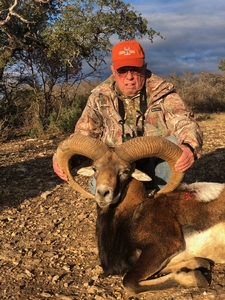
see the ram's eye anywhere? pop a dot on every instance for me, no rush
(125, 172)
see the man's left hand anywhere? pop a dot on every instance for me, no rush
(186, 160)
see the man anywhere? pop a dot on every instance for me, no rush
(134, 102)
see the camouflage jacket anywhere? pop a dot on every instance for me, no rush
(158, 110)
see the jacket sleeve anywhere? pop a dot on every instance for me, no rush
(180, 122)
(90, 122)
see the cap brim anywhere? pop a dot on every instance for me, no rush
(137, 62)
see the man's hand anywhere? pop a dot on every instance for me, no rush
(186, 160)
(58, 171)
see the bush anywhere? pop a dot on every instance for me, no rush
(69, 115)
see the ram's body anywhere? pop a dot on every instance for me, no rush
(174, 233)
(167, 234)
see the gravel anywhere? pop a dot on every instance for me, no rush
(48, 247)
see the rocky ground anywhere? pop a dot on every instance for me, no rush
(47, 231)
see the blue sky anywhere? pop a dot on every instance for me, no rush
(194, 32)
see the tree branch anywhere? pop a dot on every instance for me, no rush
(12, 13)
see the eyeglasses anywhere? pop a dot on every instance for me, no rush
(123, 72)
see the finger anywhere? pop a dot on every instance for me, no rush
(61, 175)
(64, 177)
(183, 165)
(59, 172)
(182, 168)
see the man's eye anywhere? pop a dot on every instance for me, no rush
(121, 71)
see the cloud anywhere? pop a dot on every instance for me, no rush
(194, 33)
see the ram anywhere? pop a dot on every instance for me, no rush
(155, 243)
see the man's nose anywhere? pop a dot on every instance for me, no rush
(130, 75)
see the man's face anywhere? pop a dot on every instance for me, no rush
(130, 80)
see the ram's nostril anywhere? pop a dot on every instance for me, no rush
(103, 192)
(106, 193)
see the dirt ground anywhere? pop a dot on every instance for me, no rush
(47, 230)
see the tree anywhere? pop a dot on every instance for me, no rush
(84, 28)
(72, 30)
(51, 40)
(21, 23)
(222, 65)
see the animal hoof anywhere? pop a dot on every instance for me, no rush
(192, 279)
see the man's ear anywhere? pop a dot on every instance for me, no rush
(141, 176)
(112, 69)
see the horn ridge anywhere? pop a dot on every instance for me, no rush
(80, 145)
(149, 146)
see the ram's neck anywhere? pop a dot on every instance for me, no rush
(134, 194)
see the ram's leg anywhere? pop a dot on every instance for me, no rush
(156, 253)
(151, 260)
(184, 274)
(191, 264)
(184, 279)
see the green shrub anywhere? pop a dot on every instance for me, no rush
(69, 115)
(37, 130)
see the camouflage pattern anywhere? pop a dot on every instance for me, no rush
(157, 111)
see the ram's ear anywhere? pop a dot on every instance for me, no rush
(86, 171)
(141, 176)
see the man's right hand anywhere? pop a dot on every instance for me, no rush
(58, 171)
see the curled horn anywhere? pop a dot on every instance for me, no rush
(81, 145)
(142, 147)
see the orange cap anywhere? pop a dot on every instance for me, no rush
(128, 53)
